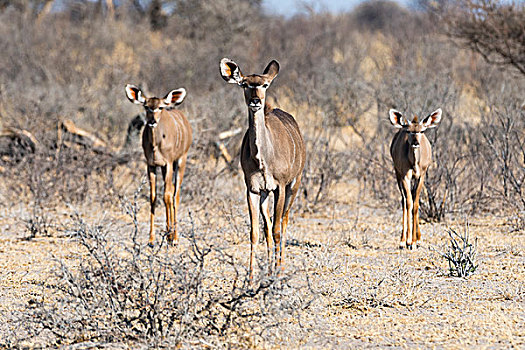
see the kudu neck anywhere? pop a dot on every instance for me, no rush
(256, 120)
(152, 130)
(258, 133)
(414, 156)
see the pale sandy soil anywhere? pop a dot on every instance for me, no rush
(366, 291)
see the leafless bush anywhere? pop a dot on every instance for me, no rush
(121, 291)
(323, 168)
(449, 186)
(39, 224)
(493, 28)
(340, 77)
(506, 152)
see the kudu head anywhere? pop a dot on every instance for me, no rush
(254, 85)
(154, 105)
(415, 128)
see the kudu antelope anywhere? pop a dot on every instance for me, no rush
(412, 155)
(166, 139)
(272, 159)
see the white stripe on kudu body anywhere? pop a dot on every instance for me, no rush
(272, 158)
(412, 155)
(166, 140)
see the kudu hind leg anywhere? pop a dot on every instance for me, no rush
(278, 238)
(152, 174)
(291, 193)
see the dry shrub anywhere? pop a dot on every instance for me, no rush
(494, 29)
(505, 151)
(342, 73)
(117, 290)
(461, 254)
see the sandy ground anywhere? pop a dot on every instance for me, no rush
(368, 292)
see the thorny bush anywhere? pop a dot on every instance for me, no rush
(119, 290)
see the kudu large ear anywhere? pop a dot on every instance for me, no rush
(230, 71)
(397, 119)
(174, 97)
(134, 94)
(272, 69)
(433, 119)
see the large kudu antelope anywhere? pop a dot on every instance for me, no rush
(412, 155)
(272, 158)
(165, 140)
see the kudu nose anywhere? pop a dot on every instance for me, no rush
(255, 101)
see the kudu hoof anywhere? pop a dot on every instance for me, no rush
(151, 244)
(171, 237)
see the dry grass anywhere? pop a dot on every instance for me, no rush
(363, 290)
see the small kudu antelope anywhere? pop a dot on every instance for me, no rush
(412, 155)
(165, 140)
(272, 158)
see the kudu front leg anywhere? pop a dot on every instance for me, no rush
(152, 174)
(417, 192)
(265, 209)
(409, 205)
(179, 167)
(167, 172)
(402, 242)
(253, 208)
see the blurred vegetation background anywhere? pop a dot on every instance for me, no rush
(65, 69)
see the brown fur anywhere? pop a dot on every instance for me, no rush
(412, 155)
(166, 140)
(273, 156)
